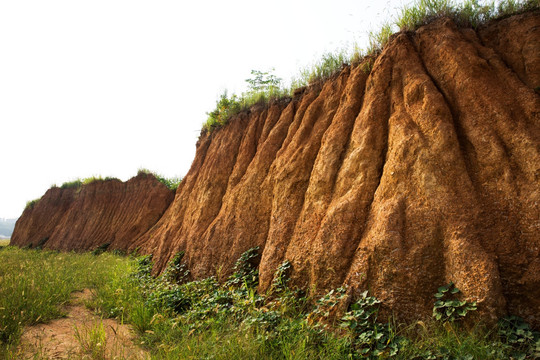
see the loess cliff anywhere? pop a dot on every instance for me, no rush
(398, 179)
(423, 171)
(102, 212)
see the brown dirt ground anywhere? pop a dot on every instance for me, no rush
(69, 337)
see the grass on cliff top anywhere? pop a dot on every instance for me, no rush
(181, 319)
(74, 184)
(77, 183)
(171, 183)
(469, 13)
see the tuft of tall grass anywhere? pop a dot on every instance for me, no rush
(378, 40)
(423, 12)
(324, 68)
(93, 340)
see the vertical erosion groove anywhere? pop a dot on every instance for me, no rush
(292, 171)
(496, 113)
(324, 173)
(344, 220)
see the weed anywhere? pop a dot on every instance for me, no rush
(246, 273)
(370, 338)
(93, 340)
(326, 307)
(448, 307)
(78, 183)
(515, 332)
(225, 108)
(101, 249)
(281, 278)
(423, 12)
(176, 271)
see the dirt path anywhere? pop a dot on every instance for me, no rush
(80, 335)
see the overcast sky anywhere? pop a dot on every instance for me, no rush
(108, 87)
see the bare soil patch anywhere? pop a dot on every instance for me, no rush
(80, 335)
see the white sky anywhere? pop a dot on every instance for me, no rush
(107, 87)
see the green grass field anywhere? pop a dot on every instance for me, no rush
(34, 284)
(4, 242)
(180, 319)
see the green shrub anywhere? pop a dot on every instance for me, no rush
(30, 204)
(75, 184)
(225, 108)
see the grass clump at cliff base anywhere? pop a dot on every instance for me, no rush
(179, 318)
(469, 13)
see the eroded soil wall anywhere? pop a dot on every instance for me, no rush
(421, 172)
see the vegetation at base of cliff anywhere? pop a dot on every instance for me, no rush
(4, 242)
(468, 13)
(171, 183)
(178, 318)
(34, 284)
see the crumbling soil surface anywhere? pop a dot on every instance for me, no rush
(71, 337)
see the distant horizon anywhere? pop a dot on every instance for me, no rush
(6, 227)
